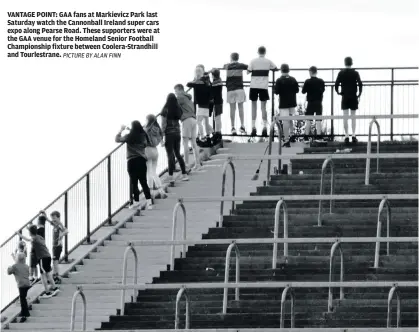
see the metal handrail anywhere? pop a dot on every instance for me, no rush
(78, 292)
(298, 197)
(270, 240)
(271, 139)
(336, 245)
(124, 274)
(394, 290)
(384, 203)
(274, 284)
(368, 163)
(328, 161)
(229, 162)
(227, 274)
(183, 292)
(283, 299)
(281, 203)
(179, 205)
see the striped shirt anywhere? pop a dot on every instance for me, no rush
(234, 79)
(260, 68)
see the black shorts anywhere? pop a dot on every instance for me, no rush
(33, 261)
(262, 94)
(314, 107)
(218, 109)
(56, 253)
(45, 265)
(349, 103)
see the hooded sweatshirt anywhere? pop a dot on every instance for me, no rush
(155, 134)
(187, 106)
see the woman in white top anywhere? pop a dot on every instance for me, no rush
(155, 135)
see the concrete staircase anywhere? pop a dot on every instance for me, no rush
(104, 264)
(362, 307)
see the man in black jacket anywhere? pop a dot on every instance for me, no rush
(287, 88)
(351, 89)
(314, 87)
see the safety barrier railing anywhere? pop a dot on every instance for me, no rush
(281, 204)
(368, 166)
(328, 161)
(287, 290)
(227, 273)
(293, 198)
(394, 89)
(79, 292)
(129, 249)
(244, 285)
(271, 139)
(335, 246)
(394, 290)
(385, 203)
(228, 163)
(182, 292)
(278, 118)
(179, 205)
(231, 158)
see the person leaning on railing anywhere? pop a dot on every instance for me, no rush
(136, 140)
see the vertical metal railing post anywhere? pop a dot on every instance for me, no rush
(335, 246)
(281, 203)
(183, 292)
(179, 205)
(88, 208)
(283, 299)
(368, 162)
(66, 226)
(271, 139)
(230, 163)
(78, 292)
(227, 274)
(328, 161)
(273, 96)
(332, 110)
(384, 203)
(392, 104)
(109, 179)
(394, 290)
(124, 274)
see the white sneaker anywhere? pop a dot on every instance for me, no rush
(196, 168)
(184, 177)
(162, 193)
(169, 179)
(149, 204)
(134, 205)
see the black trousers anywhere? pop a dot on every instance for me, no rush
(172, 146)
(137, 170)
(23, 292)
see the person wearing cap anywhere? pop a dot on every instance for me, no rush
(314, 87)
(350, 85)
(287, 88)
(259, 84)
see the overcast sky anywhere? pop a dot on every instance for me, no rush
(58, 117)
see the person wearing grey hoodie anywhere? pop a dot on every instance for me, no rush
(155, 135)
(189, 124)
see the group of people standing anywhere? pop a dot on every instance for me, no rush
(181, 120)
